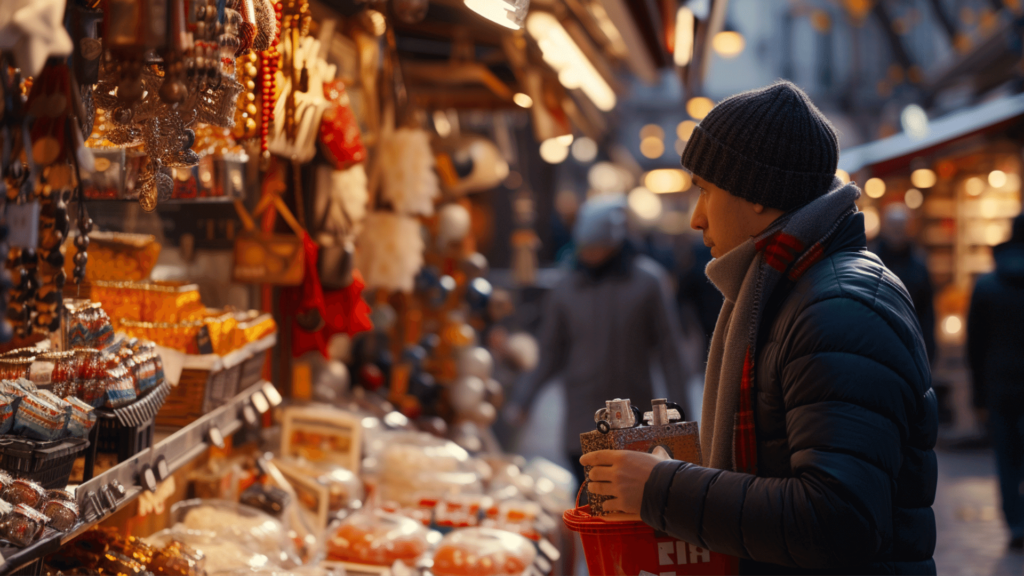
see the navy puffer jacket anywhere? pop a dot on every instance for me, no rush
(846, 421)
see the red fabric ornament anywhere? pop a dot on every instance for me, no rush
(339, 130)
(342, 311)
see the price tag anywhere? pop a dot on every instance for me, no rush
(203, 341)
(23, 224)
(41, 373)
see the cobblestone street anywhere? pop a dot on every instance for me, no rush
(972, 537)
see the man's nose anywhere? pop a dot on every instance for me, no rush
(699, 221)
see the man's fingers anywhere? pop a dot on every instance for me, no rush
(599, 458)
(600, 488)
(601, 474)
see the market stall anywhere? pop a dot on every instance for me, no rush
(248, 321)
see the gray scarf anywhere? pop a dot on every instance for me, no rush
(746, 277)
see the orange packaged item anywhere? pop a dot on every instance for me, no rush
(483, 552)
(378, 539)
(149, 301)
(116, 256)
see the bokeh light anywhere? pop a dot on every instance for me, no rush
(913, 198)
(874, 188)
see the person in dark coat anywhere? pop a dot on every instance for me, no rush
(897, 253)
(819, 420)
(995, 353)
(604, 326)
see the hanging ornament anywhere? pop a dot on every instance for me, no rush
(410, 183)
(410, 11)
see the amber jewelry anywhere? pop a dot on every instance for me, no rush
(270, 60)
(245, 109)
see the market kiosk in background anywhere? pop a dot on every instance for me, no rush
(960, 176)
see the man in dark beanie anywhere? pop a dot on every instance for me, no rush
(819, 419)
(995, 342)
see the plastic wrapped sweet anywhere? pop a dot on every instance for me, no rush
(229, 535)
(57, 372)
(57, 401)
(378, 538)
(416, 466)
(83, 417)
(8, 404)
(23, 525)
(88, 325)
(14, 368)
(94, 376)
(38, 419)
(16, 388)
(483, 552)
(24, 492)
(120, 387)
(63, 515)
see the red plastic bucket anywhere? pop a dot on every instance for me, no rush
(627, 548)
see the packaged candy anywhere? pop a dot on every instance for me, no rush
(23, 492)
(14, 368)
(114, 563)
(82, 418)
(23, 526)
(57, 372)
(120, 387)
(483, 552)
(93, 377)
(5, 481)
(62, 495)
(38, 419)
(269, 499)
(87, 325)
(145, 371)
(133, 548)
(378, 538)
(8, 404)
(63, 515)
(57, 401)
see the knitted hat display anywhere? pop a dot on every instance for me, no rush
(770, 146)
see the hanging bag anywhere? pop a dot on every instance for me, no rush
(267, 257)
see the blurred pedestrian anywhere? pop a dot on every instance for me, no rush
(899, 254)
(603, 325)
(818, 420)
(995, 352)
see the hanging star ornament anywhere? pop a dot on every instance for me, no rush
(33, 30)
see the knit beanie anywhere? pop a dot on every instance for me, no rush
(770, 146)
(601, 221)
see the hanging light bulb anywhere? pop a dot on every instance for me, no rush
(508, 13)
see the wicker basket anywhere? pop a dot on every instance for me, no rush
(198, 392)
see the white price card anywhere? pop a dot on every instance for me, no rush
(23, 224)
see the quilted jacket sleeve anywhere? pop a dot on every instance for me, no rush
(846, 376)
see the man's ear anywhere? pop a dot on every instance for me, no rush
(759, 208)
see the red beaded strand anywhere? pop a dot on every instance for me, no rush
(269, 59)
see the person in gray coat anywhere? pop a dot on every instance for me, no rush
(603, 325)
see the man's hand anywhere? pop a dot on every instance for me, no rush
(621, 474)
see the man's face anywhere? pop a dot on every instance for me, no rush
(726, 220)
(722, 218)
(594, 256)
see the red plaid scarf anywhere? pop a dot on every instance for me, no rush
(787, 255)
